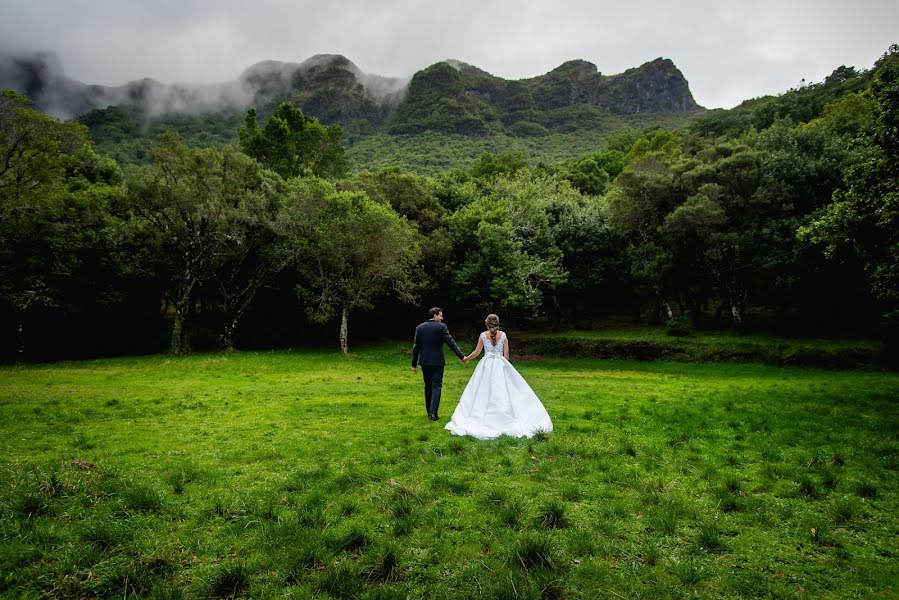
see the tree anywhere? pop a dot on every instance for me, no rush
(864, 219)
(696, 234)
(55, 194)
(351, 251)
(413, 197)
(490, 165)
(592, 257)
(293, 144)
(190, 207)
(255, 251)
(637, 204)
(504, 247)
(588, 176)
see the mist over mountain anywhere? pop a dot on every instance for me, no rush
(442, 116)
(41, 77)
(461, 97)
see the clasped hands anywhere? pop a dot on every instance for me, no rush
(465, 360)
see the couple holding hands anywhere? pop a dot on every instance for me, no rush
(497, 400)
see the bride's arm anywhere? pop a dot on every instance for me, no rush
(476, 351)
(506, 349)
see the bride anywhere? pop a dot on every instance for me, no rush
(497, 400)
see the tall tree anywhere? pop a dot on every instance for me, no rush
(637, 205)
(864, 220)
(293, 144)
(55, 194)
(255, 250)
(188, 204)
(504, 246)
(413, 197)
(351, 251)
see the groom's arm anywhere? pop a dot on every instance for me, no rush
(452, 343)
(416, 350)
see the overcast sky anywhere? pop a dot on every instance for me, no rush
(728, 50)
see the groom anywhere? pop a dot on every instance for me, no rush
(427, 350)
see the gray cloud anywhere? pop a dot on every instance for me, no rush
(729, 51)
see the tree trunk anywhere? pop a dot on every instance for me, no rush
(735, 313)
(557, 313)
(695, 310)
(228, 335)
(656, 311)
(20, 349)
(668, 312)
(343, 332)
(177, 345)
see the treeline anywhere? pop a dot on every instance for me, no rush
(790, 222)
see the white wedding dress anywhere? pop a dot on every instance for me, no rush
(497, 400)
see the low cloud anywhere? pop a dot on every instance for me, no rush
(727, 51)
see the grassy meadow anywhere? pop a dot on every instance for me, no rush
(307, 474)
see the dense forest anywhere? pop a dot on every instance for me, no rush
(780, 214)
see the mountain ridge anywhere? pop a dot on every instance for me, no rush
(333, 88)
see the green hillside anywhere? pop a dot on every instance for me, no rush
(447, 115)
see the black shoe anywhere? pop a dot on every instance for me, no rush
(433, 417)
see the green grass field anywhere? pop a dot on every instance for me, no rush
(307, 474)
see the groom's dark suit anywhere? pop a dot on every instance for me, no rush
(427, 350)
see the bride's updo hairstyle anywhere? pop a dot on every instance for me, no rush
(492, 323)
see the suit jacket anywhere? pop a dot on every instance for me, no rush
(427, 348)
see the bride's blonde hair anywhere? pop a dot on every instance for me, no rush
(492, 323)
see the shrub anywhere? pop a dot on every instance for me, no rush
(679, 327)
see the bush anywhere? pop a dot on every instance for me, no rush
(679, 327)
(697, 350)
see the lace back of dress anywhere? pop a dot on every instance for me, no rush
(489, 348)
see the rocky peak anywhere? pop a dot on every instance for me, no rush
(656, 86)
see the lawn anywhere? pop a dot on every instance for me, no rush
(307, 474)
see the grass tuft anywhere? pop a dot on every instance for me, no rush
(807, 487)
(355, 539)
(229, 580)
(141, 497)
(382, 564)
(511, 513)
(105, 533)
(339, 581)
(709, 539)
(535, 552)
(552, 515)
(304, 556)
(31, 504)
(866, 490)
(845, 509)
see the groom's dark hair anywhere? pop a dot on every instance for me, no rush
(434, 311)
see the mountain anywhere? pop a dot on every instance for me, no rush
(41, 77)
(463, 97)
(570, 109)
(453, 97)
